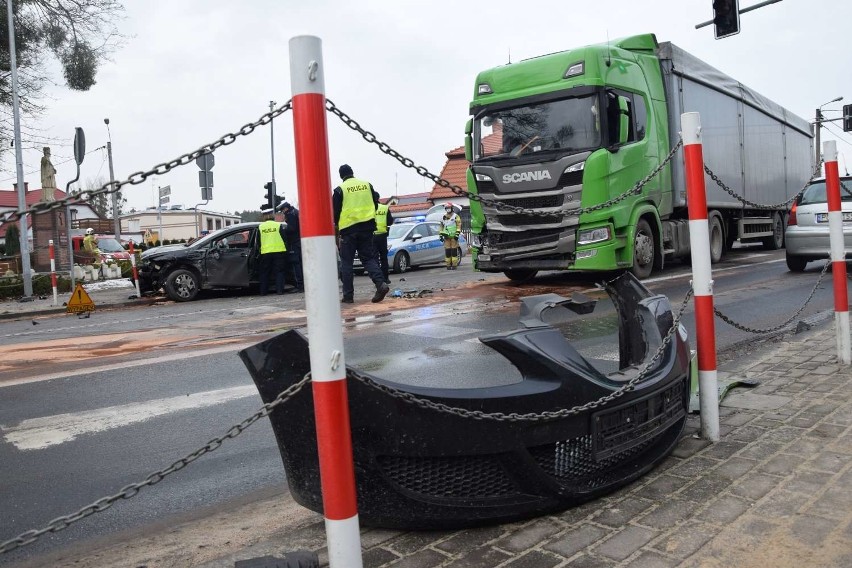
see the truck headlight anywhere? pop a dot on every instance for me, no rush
(483, 177)
(578, 167)
(590, 236)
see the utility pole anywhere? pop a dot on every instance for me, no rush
(116, 222)
(273, 189)
(19, 162)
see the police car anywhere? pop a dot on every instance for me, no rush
(414, 244)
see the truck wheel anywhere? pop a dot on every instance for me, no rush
(776, 241)
(796, 263)
(520, 274)
(182, 285)
(401, 262)
(717, 239)
(643, 250)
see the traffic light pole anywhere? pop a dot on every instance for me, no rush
(272, 191)
(742, 11)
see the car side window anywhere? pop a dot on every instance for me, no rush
(239, 240)
(434, 230)
(420, 231)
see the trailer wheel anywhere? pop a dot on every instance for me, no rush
(776, 241)
(717, 239)
(643, 250)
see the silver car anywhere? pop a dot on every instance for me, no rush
(807, 227)
(414, 244)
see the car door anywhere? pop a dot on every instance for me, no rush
(419, 244)
(227, 259)
(436, 247)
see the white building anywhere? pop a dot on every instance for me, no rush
(177, 223)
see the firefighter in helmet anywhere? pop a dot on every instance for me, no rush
(450, 229)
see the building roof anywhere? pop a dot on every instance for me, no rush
(396, 210)
(9, 197)
(454, 171)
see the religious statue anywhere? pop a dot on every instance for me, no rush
(48, 177)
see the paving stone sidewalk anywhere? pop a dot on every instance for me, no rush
(775, 491)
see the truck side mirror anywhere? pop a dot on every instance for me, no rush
(468, 142)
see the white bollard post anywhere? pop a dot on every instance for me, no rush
(838, 253)
(702, 276)
(52, 251)
(328, 366)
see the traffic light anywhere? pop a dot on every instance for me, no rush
(726, 17)
(847, 118)
(268, 196)
(278, 200)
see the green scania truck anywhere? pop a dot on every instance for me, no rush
(579, 128)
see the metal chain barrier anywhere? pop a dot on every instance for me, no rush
(745, 201)
(408, 163)
(160, 169)
(133, 489)
(778, 327)
(532, 416)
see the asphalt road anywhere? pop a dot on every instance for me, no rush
(164, 380)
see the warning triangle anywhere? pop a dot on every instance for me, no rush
(80, 301)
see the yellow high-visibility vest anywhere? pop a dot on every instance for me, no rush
(270, 237)
(381, 219)
(358, 203)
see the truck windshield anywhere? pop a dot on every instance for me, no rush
(567, 125)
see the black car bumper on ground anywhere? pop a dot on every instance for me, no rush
(420, 468)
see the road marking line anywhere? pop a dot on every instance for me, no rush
(45, 431)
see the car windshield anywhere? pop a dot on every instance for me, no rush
(397, 231)
(567, 125)
(815, 193)
(107, 244)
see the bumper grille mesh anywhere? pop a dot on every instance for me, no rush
(449, 477)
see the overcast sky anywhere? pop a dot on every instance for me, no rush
(192, 70)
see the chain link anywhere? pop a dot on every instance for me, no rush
(532, 416)
(133, 489)
(778, 327)
(408, 163)
(159, 170)
(745, 201)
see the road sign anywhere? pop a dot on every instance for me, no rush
(207, 193)
(206, 161)
(80, 301)
(167, 190)
(164, 200)
(205, 178)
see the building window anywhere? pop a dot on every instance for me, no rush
(209, 224)
(218, 223)
(227, 223)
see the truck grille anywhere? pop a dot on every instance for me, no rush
(524, 238)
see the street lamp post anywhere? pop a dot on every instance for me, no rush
(116, 222)
(818, 126)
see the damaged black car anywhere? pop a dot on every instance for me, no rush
(225, 259)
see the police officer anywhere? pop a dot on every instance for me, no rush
(273, 252)
(354, 206)
(294, 245)
(384, 219)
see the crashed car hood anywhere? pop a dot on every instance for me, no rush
(156, 252)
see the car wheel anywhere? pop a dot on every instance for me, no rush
(520, 274)
(182, 285)
(643, 250)
(796, 263)
(401, 262)
(717, 239)
(776, 240)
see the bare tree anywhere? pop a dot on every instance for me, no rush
(79, 34)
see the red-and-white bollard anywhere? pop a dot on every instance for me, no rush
(702, 277)
(319, 249)
(52, 252)
(838, 252)
(133, 268)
